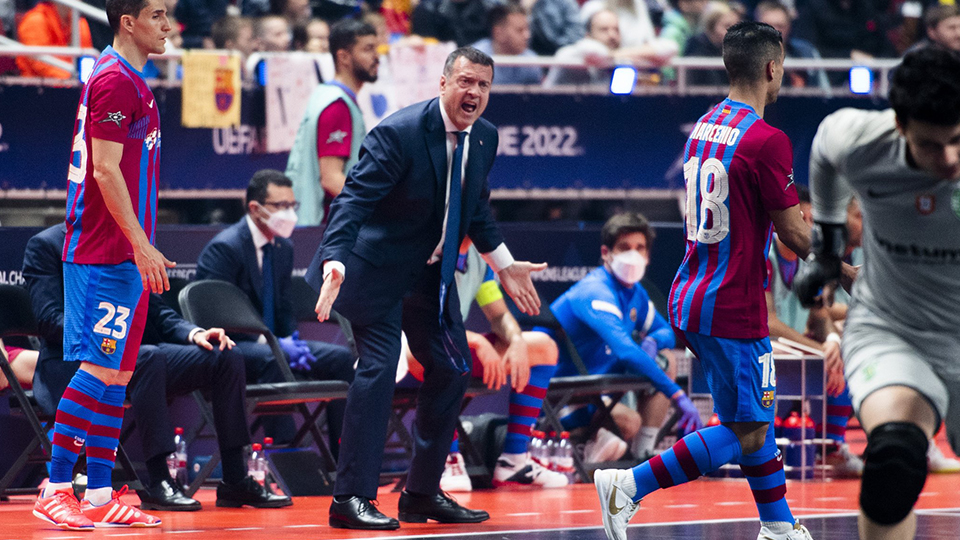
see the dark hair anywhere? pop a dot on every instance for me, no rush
(119, 8)
(344, 34)
(747, 47)
(474, 56)
(936, 14)
(926, 87)
(257, 188)
(499, 13)
(625, 223)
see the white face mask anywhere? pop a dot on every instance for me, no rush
(629, 266)
(282, 222)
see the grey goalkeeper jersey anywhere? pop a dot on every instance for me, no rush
(911, 220)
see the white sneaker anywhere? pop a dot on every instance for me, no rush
(455, 478)
(615, 506)
(603, 447)
(939, 463)
(526, 472)
(799, 532)
(845, 463)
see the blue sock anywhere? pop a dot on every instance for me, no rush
(104, 434)
(77, 408)
(525, 409)
(696, 454)
(455, 445)
(764, 471)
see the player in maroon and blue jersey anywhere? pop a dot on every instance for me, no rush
(739, 177)
(109, 266)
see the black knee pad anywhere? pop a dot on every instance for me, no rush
(894, 471)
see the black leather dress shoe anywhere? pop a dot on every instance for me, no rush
(249, 492)
(439, 507)
(167, 496)
(359, 513)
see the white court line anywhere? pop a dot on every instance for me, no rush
(682, 506)
(190, 531)
(929, 494)
(126, 534)
(828, 499)
(308, 525)
(523, 514)
(245, 529)
(578, 511)
(731, 503)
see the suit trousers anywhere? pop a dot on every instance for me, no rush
(168, 370)
(369, 400)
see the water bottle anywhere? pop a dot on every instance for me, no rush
(564, 457)
(550, 452)
(536, 446)
(255, 464)
(177, 461)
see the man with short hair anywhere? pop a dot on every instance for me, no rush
(256, 255)
(234, 34)
(510, 36)
(739, 176)
(900, 337)
(600, 314)
(328, 139)
(109, 266)
(778, 16)
(272, 33)
(943, 28)
(387, 263)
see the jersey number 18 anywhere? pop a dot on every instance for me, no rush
(713, 196)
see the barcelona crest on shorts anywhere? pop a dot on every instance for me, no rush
(768, 397)
(108, 346)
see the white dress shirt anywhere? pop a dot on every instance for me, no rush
(259, 240)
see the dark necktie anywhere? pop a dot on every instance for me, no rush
(450, 252)
(267, 293)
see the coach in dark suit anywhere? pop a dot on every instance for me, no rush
(175, 358)
(387, 258)
(256, 255)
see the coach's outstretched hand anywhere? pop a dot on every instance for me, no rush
(328, 294)
(515, 279)
(153, 268)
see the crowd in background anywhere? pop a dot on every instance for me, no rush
(598, 32)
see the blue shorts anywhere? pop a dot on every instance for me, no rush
(105, 309)
(741, 376)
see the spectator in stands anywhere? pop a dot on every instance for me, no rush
(680, 22)
(175, 358)
(313, 37)
(8, 13)
(397, 15)
(510, 36)
(844, 29)
(554, 24)
(23, 362)
(529, 359)
(778, 16)
(49, 24)
(256, 255)
(272, 33)
(716, 19)
(614, 327)
(234, 34)
(461, 21)
(636, 28)
(197, 18)
(378, 99)
(943, 27)
(295, 11)
(328, 139)
(813, 328)
(600, 49)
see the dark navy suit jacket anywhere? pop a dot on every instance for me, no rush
(232, 256)
(387, 221)
(43, 273)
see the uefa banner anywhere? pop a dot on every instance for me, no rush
(546, 140)
(211, 90)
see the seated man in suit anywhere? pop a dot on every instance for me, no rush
(175, 358)
(256, 255)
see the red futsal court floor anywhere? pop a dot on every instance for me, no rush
(708, 508)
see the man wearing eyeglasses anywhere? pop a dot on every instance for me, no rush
(256, 255)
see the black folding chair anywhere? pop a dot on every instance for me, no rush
(214, 303)
(17, 319)
(304, 304)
